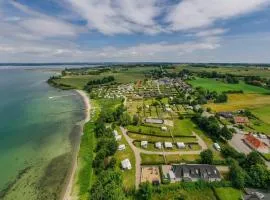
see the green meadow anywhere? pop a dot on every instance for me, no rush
(219, 86)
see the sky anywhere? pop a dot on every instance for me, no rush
(135, 31)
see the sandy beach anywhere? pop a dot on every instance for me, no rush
(67, 190)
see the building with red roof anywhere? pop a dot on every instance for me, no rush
(256, 143)
(241, 120)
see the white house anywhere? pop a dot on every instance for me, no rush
(121, 147)
(164, 128)
(144, 144)
(158, 145)
(168, 145)
(180, 145)
(126, 164)
(217, 147)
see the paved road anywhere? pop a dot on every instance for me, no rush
(137, 151)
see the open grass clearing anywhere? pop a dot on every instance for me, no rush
(182, 158)
(219, 86)
(148, 159)
(173, 191)
(183, 127)
(151, 130)
(228, 193)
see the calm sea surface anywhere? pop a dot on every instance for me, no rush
(38, 129)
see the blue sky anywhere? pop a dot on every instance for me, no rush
(135, 30)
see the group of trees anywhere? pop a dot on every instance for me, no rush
(247, 170)
(229, 78)
(211, 127)
(108, 184)
(104, 80)
(257, 81)
(203, 95)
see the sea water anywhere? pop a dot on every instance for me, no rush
(38, 131)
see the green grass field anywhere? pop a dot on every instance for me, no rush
(228, 193)
(79, 81)
(236, 70)
(183, 127)
(219, 86)
(174, 191)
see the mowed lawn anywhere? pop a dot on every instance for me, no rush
(184, 127)
(219, 86)
(228, 193)
(242, 101)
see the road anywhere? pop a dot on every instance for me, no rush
(137, 151)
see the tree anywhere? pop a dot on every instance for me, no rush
(145, 191)
(125, 119)
(206, 156)
(108, 186)
(136, 120)
(259, 176)
(253, 158)
(226, 133)
(237, 175)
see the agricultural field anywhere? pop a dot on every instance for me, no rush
(241, 101)
(236, 70)
(219, 86)
(228, 193)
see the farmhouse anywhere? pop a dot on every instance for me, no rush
(241, 120)
(126, 164)
(177, 173)
(256, 144)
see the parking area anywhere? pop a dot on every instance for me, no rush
(237, 143)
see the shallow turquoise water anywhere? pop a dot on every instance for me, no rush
(36, 134)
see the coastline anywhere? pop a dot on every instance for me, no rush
(67, 188)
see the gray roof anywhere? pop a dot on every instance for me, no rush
(188, 172)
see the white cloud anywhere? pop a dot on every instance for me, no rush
(190, 14)
(41, 50)
(211, 32)
(119, 16)
(35, 25)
